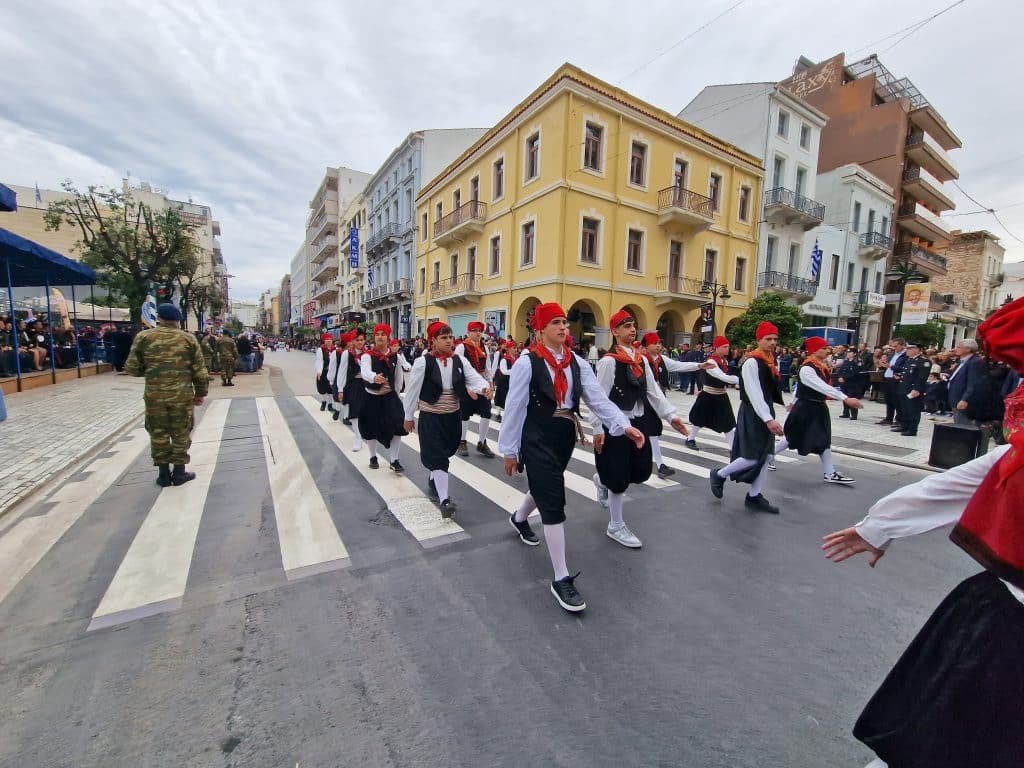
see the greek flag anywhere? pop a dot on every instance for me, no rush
(815, 261)
(39, 195)
(369, 277)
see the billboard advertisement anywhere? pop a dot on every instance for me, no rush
(916, 297)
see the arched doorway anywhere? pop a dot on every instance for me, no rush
(730, 327)
(670, 326)
(520, 330)
(584, 322)
(638, 315)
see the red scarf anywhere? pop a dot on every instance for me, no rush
(441, 357)
(655, 365)
(474, 353)
(821, 368)
(768, 359)
(561, 380)
(720, 362)
(620, 355)
(385, 356)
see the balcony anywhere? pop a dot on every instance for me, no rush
(465, 221)
(321, 291)
(382, 238)
(874, 245)
(917, 219)
(679, 207)
(927, 261)
(327, 270)
(216, 228)
(927, 118)
(326, 245)
(669, 288)
(799, 288)
(461, 289)
(996, 279)
(926, 152)
(396, 289)
(922, 186)
(321, 225)
(784, 206)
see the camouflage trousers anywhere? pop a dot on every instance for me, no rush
(228, 368)
(169, 421)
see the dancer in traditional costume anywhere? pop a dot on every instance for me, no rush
(472, 352)
(437, 384)
(321, 365)
(507, 358)
(757, 427)
(627, 379)
(540, 431)
(955, 698)
(344, 345)
(382, 416)
(712, 408)
(349, 383)
(809, 424)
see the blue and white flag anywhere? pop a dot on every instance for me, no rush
(369, 277)
(39, 195)
(815, 261)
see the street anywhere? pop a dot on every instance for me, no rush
(280, 611)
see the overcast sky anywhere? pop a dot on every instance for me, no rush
(243, 104)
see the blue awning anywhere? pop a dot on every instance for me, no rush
(8, 199)
(32, 264)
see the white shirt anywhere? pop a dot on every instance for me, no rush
(332, 367)
(367, 374)
(718, 373)
(606, 378)
(938, 500)
(474, 382)
(514, 416)
(503, 366)
(892, 361)
(493, 361)
(460, 350)
(318, 361)
(679, 366)
(809, 378)
(752, 386)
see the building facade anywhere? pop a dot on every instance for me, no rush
(588, 196)
(245, 311)
(352, 259)
(285, 307)
(299, 285)
(771, 123)
(972, 287)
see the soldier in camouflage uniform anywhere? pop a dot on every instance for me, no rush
(206, 344)
(228, 353)
(176, 381)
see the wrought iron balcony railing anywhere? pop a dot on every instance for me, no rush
(790, 199)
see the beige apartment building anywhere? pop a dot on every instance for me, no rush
(972, 287)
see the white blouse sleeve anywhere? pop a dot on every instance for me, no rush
(809, 378)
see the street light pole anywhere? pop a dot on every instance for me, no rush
(716, 291)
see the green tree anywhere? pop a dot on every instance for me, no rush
(130, 245)
(773, 308)
(929, 334)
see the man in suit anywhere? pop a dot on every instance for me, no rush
(891, 377)
(913, 380)
(969, 384)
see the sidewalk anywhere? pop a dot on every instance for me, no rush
(51, 431)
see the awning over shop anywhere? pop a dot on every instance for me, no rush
(31, 264)
(8, 200)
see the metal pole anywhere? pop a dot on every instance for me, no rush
(14, 322)
(74, 332)
(96, 337)
(49, 331)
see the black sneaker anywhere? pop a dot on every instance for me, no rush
(498, 418)
(717, 484)
(432, 491)
(448, 509)
(337, 415)
(838, 477)
(665, 470)
(347, 421)
(760, 504)
(374, 464)
(526, 534)
(692, 445)
(483, 450)
(397, 467)
(463, 448)
(565, 593)
(323, 406)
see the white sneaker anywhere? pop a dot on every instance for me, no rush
(358, 444)
(602, 492)
(771, 465)
(624, 536)
(835, 477)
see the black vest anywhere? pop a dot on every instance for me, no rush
(541, 403)
(353, 366)
(327, 362)
(813, 395)
(769, 386)
(432, 389)
(386, 368)
(627, 390)
(662, 373)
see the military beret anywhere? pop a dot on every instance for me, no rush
(168, 312)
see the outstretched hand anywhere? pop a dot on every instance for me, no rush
(844, 544)
(679, 426)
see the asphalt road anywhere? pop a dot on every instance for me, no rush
(728, 640)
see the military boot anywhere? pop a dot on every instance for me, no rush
(180, 476)
(164, 478)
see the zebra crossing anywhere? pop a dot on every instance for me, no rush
(152, 576)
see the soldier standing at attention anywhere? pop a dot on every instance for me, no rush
(176, 381)
(228, 354)
(204, 345)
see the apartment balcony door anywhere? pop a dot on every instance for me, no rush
(679, 173)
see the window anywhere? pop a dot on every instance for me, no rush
(715, 191)
(864, 279)
(885, 226)
(408, 206)
(856, 217)
(532, 157)
(805, 136)
(423, 226)
(637, 163)
(456, 199)
(494, 266)
(474, 188)
(778, 172)
(744, 212)
(499, 178)
(529, 236)
(588, 246)
(440, 211)
(471, 262)
(740, 277)
(871, 220)
(423, 279)
(782, 125)
(679, 170)
(710, 266)
(592, 147)
(849, 277)
(801, 180)
(437, 274)
(453, 264)
(833, 279)
(634, 250)
(771, 248)
(794, 259)
(675, 258)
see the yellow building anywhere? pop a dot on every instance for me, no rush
(586, 195)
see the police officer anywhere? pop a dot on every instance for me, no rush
(850, 380)
(913, 380)
(228, 354)
(176, 381)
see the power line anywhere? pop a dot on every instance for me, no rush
(912, 28)
(988, 209)
(683, 40)
(922, 25)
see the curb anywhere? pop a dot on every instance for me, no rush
(884, 460)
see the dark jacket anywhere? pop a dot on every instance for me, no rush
(971, 382)
(914, 376)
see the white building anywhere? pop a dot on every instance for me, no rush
(1013, 285)
(248, 312)
(299, 284)
(768, 121)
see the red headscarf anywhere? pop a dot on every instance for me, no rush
(475, 325)
(378, 328)
(545, 313)
(619, 318)
(433, 330)
(764, 328)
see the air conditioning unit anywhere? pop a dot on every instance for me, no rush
(948, 298)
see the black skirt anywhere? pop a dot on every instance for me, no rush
(439, 438)
(955, 699)
(620, 463)
(480, 407)
(652, 425)
(713, 412)
(809, 427)
(500, 389)
(382, 418)
(323, 386)
(753, 440)
(355, 394)
(546, 449)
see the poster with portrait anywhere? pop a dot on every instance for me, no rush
(916, 297)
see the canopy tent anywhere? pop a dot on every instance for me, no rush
(8, 200)
(27, 263)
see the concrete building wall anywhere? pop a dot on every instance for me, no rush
(975, 263)
(737, 112)
(299, 284)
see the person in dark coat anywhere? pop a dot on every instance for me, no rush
(969, 385)
(913, 382)
(850, 378)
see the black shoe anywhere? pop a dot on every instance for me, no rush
(565, 593)
(692, 445)
(179, 476)
(853, 416)
(526, 534)
(909, 434)
(717, 484)
(397, 467)
(845, 416)
(896, 428)
(887, 422)
(463, 448)
(323, 406)
(330, 407)
(498, 418)
(163, 479)
(448, 509)
(337, 415)
(432, 491)
(483, 450)
(761, 504)
(374, 464)
(347, 421)
(665, 471)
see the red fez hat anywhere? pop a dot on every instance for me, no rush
(476, 325)
(545, 313)
(815, 343)
(619, 318)
(651, 338)
(435, 328)
(764, 328)
(348, 337)
(326, 337)
(382, 328)
(720, 341)
(1002, 335)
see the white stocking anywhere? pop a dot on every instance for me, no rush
(615, 502)
(395, 448)
(440, 478)
(694, 431)
(730, 436)
(372, 446)
(358, 442)
(826, 460)
(526, 506)
(465, 430)
(656, 451)
(554, 537)
(738, 465)
(485, 425)
(782, 445)
(758, 484)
